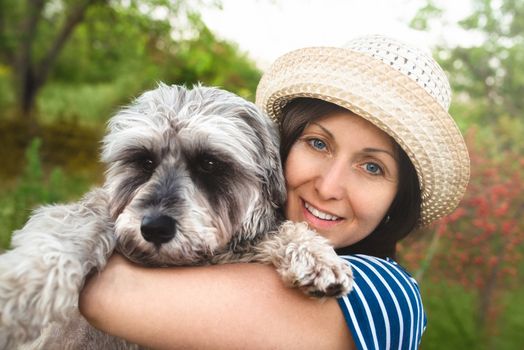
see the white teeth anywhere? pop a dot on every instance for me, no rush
(319, 214)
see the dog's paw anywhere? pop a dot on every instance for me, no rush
(318, 273)
(311, 264)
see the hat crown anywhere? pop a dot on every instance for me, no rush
(408, 60)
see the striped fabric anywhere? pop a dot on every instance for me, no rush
(384, 310)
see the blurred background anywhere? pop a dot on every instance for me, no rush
(67, 65)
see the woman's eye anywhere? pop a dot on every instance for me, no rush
(317, 144)
(373, 168)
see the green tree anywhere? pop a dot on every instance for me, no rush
(488, 77)
(34, 33)
(210, 60)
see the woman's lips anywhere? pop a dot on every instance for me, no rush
(318, 218)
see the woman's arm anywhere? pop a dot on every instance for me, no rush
(239, 306)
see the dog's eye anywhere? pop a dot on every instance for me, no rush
(209, 165)
(145, 163)
(148, 165)
(206, 163)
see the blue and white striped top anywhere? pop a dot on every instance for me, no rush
(384, 310)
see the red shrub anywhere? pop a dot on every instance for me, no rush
(480, 244)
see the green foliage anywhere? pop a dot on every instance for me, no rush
(120, 50)
(6, 94)
(11, 12)
(86, 103)
(207, 59)
(449, 309)
(487, 78)
(112, 42)
(511, 323)
(425, 14)
(34, 188)
(451, 324)
(93, 79)
(90, 41)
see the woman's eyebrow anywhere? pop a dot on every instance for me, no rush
(323, 129)
(374, 150)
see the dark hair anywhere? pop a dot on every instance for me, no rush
(402, 216)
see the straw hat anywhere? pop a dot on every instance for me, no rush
(400, 89)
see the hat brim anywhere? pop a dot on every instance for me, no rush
(387, 98)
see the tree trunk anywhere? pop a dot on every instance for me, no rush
(28, 94)
(23, 65)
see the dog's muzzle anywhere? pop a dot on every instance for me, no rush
(158, 229)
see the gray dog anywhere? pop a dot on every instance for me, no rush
(193, 177)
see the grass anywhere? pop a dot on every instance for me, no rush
(449, 309)
(33, 188)
(451, 313)
(511, 323)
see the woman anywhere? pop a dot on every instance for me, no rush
(370, 153)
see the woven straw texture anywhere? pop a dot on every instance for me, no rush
(400, 90)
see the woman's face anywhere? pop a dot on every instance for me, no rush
(341, 176)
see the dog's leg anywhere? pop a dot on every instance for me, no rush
(41, 277)
(306, 260)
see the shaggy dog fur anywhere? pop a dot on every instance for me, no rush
(193, 177)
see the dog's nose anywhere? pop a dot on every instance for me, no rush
(158, 229)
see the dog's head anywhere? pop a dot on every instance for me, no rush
(191, 172)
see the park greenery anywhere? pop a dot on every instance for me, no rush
(67, 65)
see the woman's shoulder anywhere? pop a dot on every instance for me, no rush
(384, 310)
(374, 267)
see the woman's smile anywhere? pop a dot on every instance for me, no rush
(319, 214)
(318, 218)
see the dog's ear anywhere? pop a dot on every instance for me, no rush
(267, 212)
(268, 157)
(274, 185)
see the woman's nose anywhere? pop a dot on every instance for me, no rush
(332, 182)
